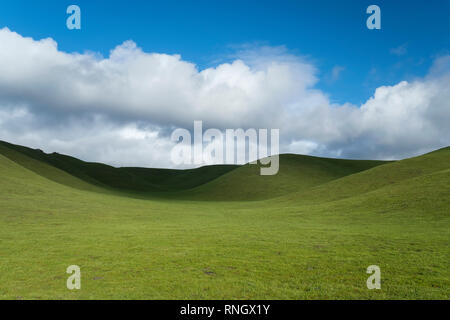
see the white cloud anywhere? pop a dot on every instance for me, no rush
(121, 109)
(155, 87)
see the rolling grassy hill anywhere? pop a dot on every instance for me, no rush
(375, 178)
(309, 233)
(108, 177)
(297, 173)
(219, 182)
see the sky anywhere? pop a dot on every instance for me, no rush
(114, 90)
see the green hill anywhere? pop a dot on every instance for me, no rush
(218, 182)
(374, 178)
(309, 233)
(296, 173)
(97, 174)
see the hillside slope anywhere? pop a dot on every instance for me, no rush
(296, 173)
(372, 179)
(126, 179)
(313, 244)
(218, 182)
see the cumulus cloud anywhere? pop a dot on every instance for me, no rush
(122, 108)
(132, 84)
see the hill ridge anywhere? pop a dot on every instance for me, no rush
(302, 178)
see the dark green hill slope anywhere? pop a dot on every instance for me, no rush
(105, 176)
(300, 178)
(218, 182)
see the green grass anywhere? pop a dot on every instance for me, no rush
(308, 233)
(298, 173)
(107, 177)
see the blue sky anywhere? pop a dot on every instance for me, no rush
(115, 90)
(351, 60)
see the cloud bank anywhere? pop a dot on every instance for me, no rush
(122, 108)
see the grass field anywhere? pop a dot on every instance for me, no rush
(224, 232)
